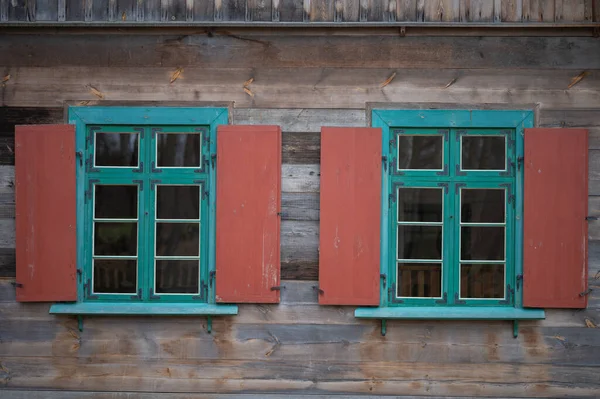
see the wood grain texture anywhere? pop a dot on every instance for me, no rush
(259, 49)
(46, 239)
(555, 231)
(477, 10)
(248, 214)
(349, 231)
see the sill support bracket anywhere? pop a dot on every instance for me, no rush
(515, 328)
(208, 324)
(383, 327)
(80, 322)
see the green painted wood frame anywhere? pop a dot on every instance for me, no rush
(162, 119)
(389, 119)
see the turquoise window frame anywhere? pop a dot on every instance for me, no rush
(149, 119)
(390, 119)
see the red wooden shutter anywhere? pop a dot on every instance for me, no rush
(248, 203)
(349, 246)
(555, 208)
(46, 246)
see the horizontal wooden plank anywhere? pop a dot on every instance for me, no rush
(294, 206)
(297, 148)
(312, 87)
(589, 117)
(260, 50)
(317, 377)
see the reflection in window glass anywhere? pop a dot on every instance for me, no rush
(177, 276)
(419, 242)
(115, 276)
(419, 280)
(177, 239)
(420, 152)
(483, 153)
(178, 149)
(482, 281)
(177, 202)
(115, 239)
(420, 204)
(116, 202)
(481, 243)
(482, 205)
(116, 149)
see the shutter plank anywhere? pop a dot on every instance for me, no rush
(46, 239)
(248, 225)
(555, 208)
(349, 250)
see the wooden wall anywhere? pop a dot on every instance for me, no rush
(301, 82)
(172, 12)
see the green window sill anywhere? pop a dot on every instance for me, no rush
(448, 313)
(167, 309)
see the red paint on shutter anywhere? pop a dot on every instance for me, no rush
(555, 208)
(248, 203)
(46, 238)
(349, 249)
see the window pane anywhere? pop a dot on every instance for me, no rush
(116, 202)
(178, 149)
(483, 153)
(419, 242)
(115, 239)
(112, 276)
(482, 281)
(177, 239)
(420, 205)
(116, 149)
(177, 276)
(178, 202)
(482, 243)
(419, 280)
(420, 152)
(482, 206)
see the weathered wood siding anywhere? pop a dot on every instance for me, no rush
(172, 12)
(301, 83)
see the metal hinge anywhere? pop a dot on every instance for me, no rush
(278, 288)
(319, 290)
(79, 273)
(590, 218)
(458, 301)
(16, 285)
(519, 280)
(520, 161)
(211, 277)
(384, 159)
(213, 159)
(384, 278)
(586, 292)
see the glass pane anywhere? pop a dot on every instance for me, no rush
(420, 152)
(482, 243)
(116, 149)
(178, 202)
(482, 206)
(178, 149)
(419, 242)
(177, 239)
(482, 281)
(419, 280)
(116, 202)
(483, 153)
(115, 239)
(420, 205)
(114, 276)
(177, 276)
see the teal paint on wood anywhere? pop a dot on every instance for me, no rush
(147, 121)
(473, 119)
(167, 309)
(450, 313)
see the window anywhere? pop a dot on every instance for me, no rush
(146, 212)
(451, 216)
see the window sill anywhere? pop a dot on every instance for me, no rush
(448, 313)
(166, 309)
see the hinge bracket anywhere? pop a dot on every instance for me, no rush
(592, 218)
(519, 280)
(586, 292)
(384, 278)
(16, 285)
(278, 288)
(319, 290)
(211, 277)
